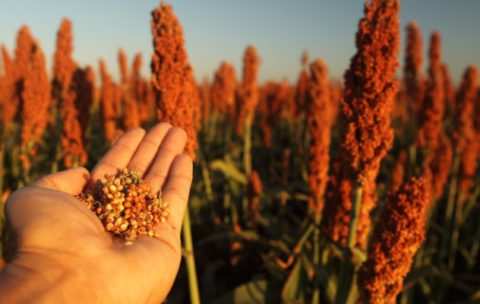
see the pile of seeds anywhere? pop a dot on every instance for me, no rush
(126, 205)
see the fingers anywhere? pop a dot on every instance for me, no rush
(148, 148)
(177, 188)
(172, 145)
(70, 181)
(119, 155)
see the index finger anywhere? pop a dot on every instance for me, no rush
(177, 189)
(119, 155)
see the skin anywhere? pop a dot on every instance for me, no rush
(60, 250)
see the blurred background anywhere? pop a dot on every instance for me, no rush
(217, 29)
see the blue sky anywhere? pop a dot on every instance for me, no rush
(218, 30)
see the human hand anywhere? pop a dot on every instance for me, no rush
(61, 251)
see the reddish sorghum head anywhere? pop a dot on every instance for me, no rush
(465, 136)
(83, 84)
(465, 110)
(23, 50)
(274, 101)
(440, 166)
(301, 88)
(128, 107)
(370, 88)
(72, 138)
(448, 86)
(63, 64)
(8, 102)
(396, 239)
(414, 83)
(337, 210)
(223, 89)
(25, 45)
(91, 80)
(35, 103)
(248, 91)
(107, 103)
(301, 92)
(123, 66)
(172, 76)
(432, 112)
(131, 116)
(169, 59)
(319, 119)
(190, 120)
(141, 90)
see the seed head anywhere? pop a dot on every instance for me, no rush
(319, 118)
(397, 238)
(172, 76)
(248, 91)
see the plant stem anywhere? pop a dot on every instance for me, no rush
(206, 180)
(247, 147)
(357, 201)
(452, 195)
(190, 260)
(456, 223)
(316, 258)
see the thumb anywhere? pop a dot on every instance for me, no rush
(70, 181)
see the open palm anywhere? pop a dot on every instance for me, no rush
(58, 240)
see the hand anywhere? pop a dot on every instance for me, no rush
(62, 253)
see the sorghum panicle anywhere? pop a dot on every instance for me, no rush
(370, 88)
(107, 103)
(35, 103)
(448, 86)
(7, 89)
(413, 78)
(172, 76)
(432, 112)
(223, 89)
(128, 103)
(396, 239)
(83, 84)
(248, 91)
(72, 138)
(141, 91)
(465, 136)
(440, 166)
(319, 119)
(274, 99)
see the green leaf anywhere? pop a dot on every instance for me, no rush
(229, 170)
(345, 282)
(292, 289)
(248, 235)
(358, 257)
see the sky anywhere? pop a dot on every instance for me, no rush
(217, 30)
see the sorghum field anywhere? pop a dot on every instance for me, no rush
(364, 189)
